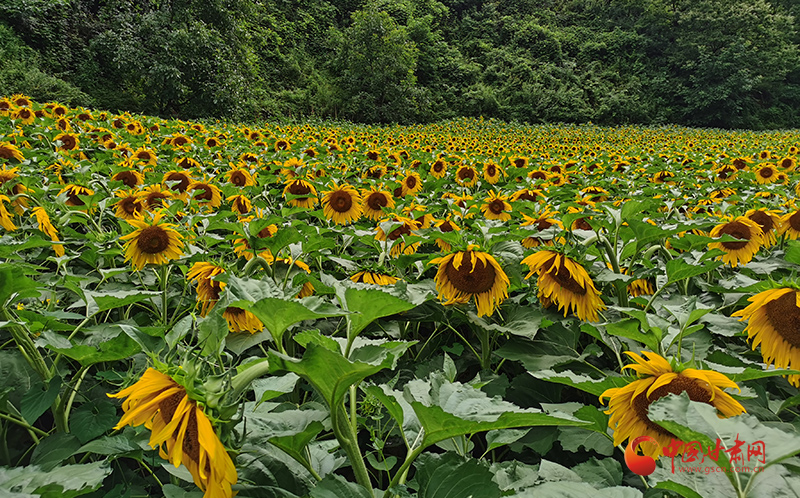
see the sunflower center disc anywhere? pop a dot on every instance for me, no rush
(411, 182)
(191, 441)
(446, 227)
(341, 201)
(466, 174)
(183, 181)
(399, 232)
(762, 219)
(543, 225)
(129, 205)
(264, 233)
(238, 179)
(794, 221)
(154, 199)
(153, 240)
(207, 193)
(74, 199)
(480, 279)
(680, 384)
(740, 231)
(298, 188)
(563, 277)
(496, 206)
(377, 201)
(168, 405)
(127, 178)
(538, 175)
(491, 170)
(784, 316)
(765, 172)
(582, 224)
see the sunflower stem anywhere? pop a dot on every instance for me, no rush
(249, 268)
(243, 379)
(348, 440)
(164, 275)
(33, 431)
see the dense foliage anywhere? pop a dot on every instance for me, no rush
(721, 63)
(328, 309)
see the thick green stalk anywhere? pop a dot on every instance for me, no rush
(348, 440)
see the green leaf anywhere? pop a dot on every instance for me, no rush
(333, 486)
(600, 473)
(520, 321)
(629, 328)
(112, 445)
(582, 382)
(502, 437)
(578, 440)
(331, 373)
(741, 374)
(107, 300)
(54, 449)
(92, 419)
(681, 489)
(14, 283)
(792, 254)
(179, 331)
(295, 444)
(36, 401)
(449, 475)
(278, 314)
(67, 481)
(118, 348)
(267, 388)
(678, 269)
(368, 305)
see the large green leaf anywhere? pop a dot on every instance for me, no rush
(630, 328)
(334, 486)
(368, 305)
(451, 476)
(15, 284)
(678, 269)
(582, 382)
(36, 401)
(67, 481)
(117, 348)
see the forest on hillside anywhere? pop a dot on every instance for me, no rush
(710, 63)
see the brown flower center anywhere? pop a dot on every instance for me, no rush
(466, 173)
(377, 201)
(472, 280)
(153, 240)
(794, 221)
(238, 178)
(438, 166)
(6, 152)
(191, 440)
(491, 170)
(447, 226)
(400, 231)
(678, 385)
(784, 316)
(68, 142)
(519, 163)
(765, 172)
(411, 182)
(341, 201)
(563, 277)
(183, 181)
(207, 193)
(144, 155)
(582, 224)
(736, 229)
(128, 178)
(168, 405)
(543, 224)
(497, 206)
(299, 188)
(739, 163)
(130, 205)
(762, 219)
(154, 199)
(538, 175)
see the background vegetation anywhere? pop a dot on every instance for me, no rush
(719, 63)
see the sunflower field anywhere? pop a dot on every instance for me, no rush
(467, 308)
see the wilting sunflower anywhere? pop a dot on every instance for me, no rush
(741, 251)
(772, 319)
(411, 184)
(240, 204)
(466, 176)
(208, 194)
(188, 163)
(446, 226)
(154, 197)
(240, 177)
(407, 227)
(10, 151)
(177, 181)
(69, 141)
(130, 205)
(5, 217)
(208, 289)
(641, 287)
(181, 430)
(369, 277)
(566, 283)
(527, 195)
(306, 192)
(373, 200)
(342, 205)
(496, 207)
(242, 247)
(769, 221)
(471, 274)
(628, 406)
(766, 173)
(790, 225)
(153, 242)
(240, 320)
(46, 226)
(544, 221)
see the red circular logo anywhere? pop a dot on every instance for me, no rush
(640, 464)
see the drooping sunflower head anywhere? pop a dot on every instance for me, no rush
(471, 275)
(130, 205)
(790, 225)
(628, 406)
(177, 181)
(370, 277)
(565, 282)
(208, 289)
(129, 177)
(240, 204)
(398, 228)
(305, 192)
(152, 242)
(772, 322)
(73, 191)
(240, 177)
(742, 251)
(769, 221)
(342, 204)
(496, 207)
(10, 151)
(206, 193)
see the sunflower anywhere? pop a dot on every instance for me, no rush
(369, 277)
(148, 157)
(726, 173)
(566, 283)
(305, 192)
(208, 194)
(208, 289)
(153, 197)
(526, 195)
(5, 217)
(628, 406)
(772, 319)
(154, 242)
(766, 173)
(240, 177)
(342, 205)
(769, 221)
(641, 287)
(373, 200)
(446, 226)
(10, 151)
(240, 320)
(73, 191)
(790, 225)
(212, 142)
(177, 181)
(181, 430)
(240, 204)
(542, 222)
(492, 172)
(407, 227)
(130, 178)
(496, 207)
(471, 274)
(130, 205)
(438, 168)
(69, 141)
(411, 184)
(188, 163)
(466, 176)
(787, 163)
(242, 247)
(741, 251)
(25, 115)
(46, 226)
(538, 174)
